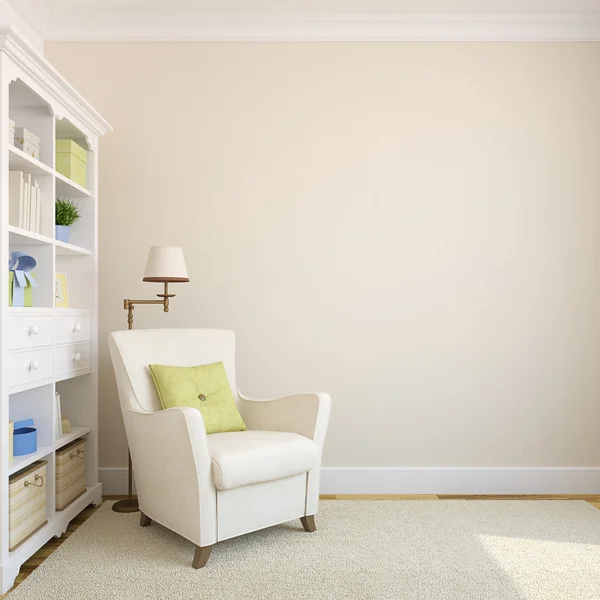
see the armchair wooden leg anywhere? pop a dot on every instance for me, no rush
(308, 523)
(201, 556)
(145, 520)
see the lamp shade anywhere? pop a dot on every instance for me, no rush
(166, 263)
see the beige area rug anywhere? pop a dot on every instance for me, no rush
(376, 550)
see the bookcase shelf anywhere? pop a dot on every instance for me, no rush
(76, 432)
(64, 249)
(65, 188)
(20, 462)
(46, 349)
(19, 161)
(18, 236)
(15, 311)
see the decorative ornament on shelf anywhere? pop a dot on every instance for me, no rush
(24, 437)
(66, 213)
(20, 279)
(65, 425)
(61, 291)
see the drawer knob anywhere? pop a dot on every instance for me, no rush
(77, 328)
(76, 356)
(33, 330)
(34, 365)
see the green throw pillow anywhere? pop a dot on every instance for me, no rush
(206, 388)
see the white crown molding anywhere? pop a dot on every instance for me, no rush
(430, 480)
(45, 75)
(338, 27)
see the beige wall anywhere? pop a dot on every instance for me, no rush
(413, 228)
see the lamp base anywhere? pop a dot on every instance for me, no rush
(126, 506)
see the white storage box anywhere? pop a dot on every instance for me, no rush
(26, 503)
(70, 473)
(11, 132)
(28, 142)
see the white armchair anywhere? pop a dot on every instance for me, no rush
(257, 478)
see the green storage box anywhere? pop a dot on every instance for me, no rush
(71, 161)
(28, 291)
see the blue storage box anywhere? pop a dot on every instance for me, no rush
(24, 438)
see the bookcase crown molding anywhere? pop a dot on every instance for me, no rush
(62, 95)
(306, 27)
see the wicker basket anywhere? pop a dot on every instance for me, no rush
(70, 473)
(26, 503)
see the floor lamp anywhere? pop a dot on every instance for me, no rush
(165, 265)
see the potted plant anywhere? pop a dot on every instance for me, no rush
(66, 213)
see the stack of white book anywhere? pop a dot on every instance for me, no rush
(25, 201)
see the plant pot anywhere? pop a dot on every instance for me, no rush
(62, 233)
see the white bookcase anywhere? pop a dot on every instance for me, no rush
(46, 349)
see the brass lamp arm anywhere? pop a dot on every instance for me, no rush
(129, 304)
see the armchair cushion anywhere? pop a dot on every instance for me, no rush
(246, 457)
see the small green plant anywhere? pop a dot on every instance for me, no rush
(66, 213)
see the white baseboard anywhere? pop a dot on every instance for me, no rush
(431, 480)
(461, 480)
(114, 480)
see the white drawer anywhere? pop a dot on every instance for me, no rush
(29, 331)
(29, 366)
(71, 329)
(72, 360)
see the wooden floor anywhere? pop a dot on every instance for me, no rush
(43, 553)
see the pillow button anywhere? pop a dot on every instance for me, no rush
(202, 397)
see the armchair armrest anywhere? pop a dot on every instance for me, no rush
(175, 435)
(305, 414)
(172, 470)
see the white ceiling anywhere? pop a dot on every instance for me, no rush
(536, 20)
(66, 8)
